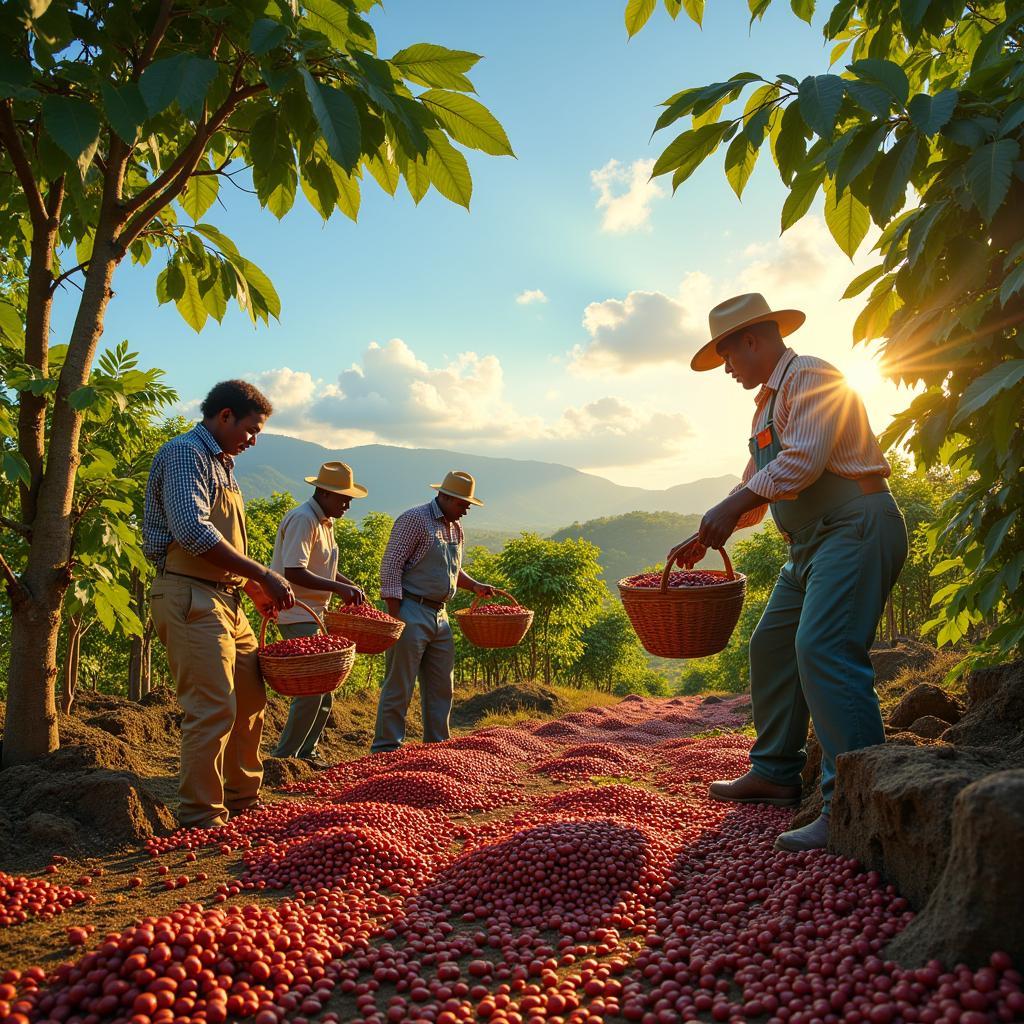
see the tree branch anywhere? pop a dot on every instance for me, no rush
(22, 167)
(15, 588)
(163, 19)
(57, 281)
(18, 527)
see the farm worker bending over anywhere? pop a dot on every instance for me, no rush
(306, 554)
(419, 574)
(817, 465)
(193, 530)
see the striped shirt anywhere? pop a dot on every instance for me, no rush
(821, 424)
(184, 483)
(411, 536)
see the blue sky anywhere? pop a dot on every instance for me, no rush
(592, 375)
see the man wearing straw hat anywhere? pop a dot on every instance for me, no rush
(419, 574)
(306, 554)
(816, 464)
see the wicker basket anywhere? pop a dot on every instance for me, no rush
(493, 630)
(686, 622)
(371, 636)
(303, 675)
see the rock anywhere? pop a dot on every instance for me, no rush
(996, 714)
(971, 912)
(928, 727)
(282, 771)
(926, 700)
(50, 830)
(889, 660)
(893, 807)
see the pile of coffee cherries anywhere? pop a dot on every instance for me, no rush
(22, 898)
(322, 643)
(500, 609)
(681, 578)
(365, 611)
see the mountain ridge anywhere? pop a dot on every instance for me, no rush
(519, 494)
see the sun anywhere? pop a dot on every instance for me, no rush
(862, 369)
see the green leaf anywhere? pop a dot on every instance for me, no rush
(862, 281)
(319, 187)
(995, 537)
(436, 66)
(847, 220)
(158, 84)
(740, 159)
(695, 10)
(678, 106)
(266, 35)
(790, 145)
(329, 18)
(637, 13)
(219, 239)
(930, 113)
(417, 177)
(215, 293)
(384, 170)
(687, 151)
(339, 122)
(988, 172)
(190, 305)
(820, 99)
(889, 186)
(885, 75)
(803, 9)
(16, 469)
(865, 145)
(348, 193)
(73, 124)
(988, 386)
(12, 325)
(197, 76)
(1012, 284)
(82, 398)
(125, 109)
(16, 79)
(259, 285)
(467, 121)
(798, 202)
(170, 284)
(200, 194)
(449, 172)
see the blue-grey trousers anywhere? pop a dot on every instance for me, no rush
(425, 649)
(809, 653)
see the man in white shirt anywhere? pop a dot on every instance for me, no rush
(306, 554)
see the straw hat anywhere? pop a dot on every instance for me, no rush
(735, 314)
(337, 478)
(459, 485)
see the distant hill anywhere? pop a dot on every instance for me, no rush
(629, 543)
(519, 494)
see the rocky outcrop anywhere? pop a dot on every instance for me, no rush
(926, 701)
(971, 910)
(995, 715)
(889, 660)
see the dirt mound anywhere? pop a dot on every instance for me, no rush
(926, 701)
(996, 712)
(505, 700)
(905, 654)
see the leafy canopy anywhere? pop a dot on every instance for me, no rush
(918, 128)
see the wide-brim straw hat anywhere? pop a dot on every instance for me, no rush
(735, 314)
(459, 485)
(337, 478)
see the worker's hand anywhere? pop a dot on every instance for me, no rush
(260, 599)
(718, 524)
(350, 594)
(484, 590)
(689, 552)
(278, 590)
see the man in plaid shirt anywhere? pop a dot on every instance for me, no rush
(419, 574)
(194, 532)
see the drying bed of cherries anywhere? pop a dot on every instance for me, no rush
(636, 901)
(322, 643)
(22, 898)
(677, 579)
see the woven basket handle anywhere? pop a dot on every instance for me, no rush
(478, 598)
(689, 565)
(301, 604)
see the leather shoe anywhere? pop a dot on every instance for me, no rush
(753, 789)
(317, 763)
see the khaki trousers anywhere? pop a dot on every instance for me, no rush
(211, 651)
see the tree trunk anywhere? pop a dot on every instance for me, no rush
(147, 659)
(890, 618)
(135, 656)
(35, 622)
(69, 679)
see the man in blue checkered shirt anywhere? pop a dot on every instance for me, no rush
(193, 531)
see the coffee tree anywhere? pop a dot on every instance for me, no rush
(121, 123)
(918, 129)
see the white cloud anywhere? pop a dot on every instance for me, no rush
(530, 296)
(642, 329)
(393, 397)
(625, 194)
